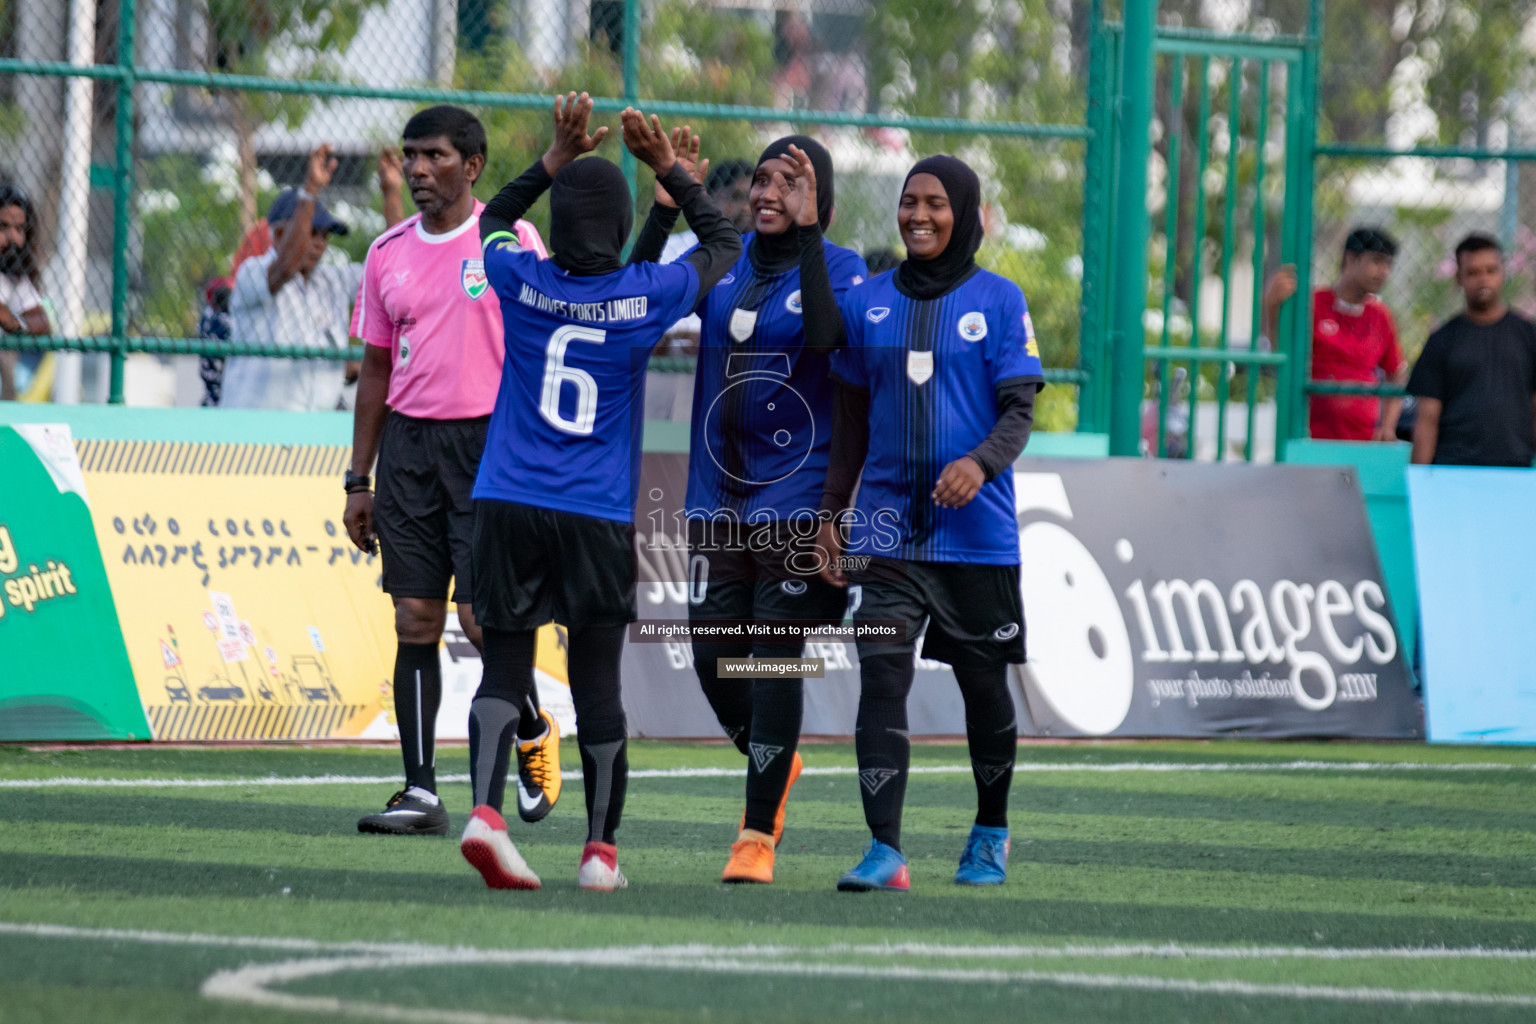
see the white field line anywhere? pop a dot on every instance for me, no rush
(249, 984)
(1154, 767)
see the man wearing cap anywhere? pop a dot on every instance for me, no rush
(286, 297)
(1353, 339)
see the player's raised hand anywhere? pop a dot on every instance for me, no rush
(959, 483)
(647, 141)
(804, 184)
(685, 146)
(572, 115)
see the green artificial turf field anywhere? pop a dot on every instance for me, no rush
(1148, 882)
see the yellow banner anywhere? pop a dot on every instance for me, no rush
(246, 611)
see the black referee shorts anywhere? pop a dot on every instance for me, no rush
(741, 572)
(973, 614)
(422, 507)
(536, 565)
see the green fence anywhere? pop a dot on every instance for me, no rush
(199, 111)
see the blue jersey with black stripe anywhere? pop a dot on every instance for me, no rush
(932, 368)
(762, 402)
(565, 432)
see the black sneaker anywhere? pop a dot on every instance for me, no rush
(410, 812)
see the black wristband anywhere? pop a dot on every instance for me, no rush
(352, 482)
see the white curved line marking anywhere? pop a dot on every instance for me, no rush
(249, 984)
(1153, 767)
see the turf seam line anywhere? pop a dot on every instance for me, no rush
(713, 773)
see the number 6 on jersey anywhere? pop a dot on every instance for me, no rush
(557, 375)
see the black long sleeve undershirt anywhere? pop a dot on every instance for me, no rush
(850, 446)
(719, 244)
(820, 318)
(652, 240)
(1015, 418)
(507, 207)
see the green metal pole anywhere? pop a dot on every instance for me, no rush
(122, 198)
(1127, 372)
(631, 84)
(1090, 323)
(1170, 239)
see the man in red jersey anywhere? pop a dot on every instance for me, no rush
(1353, 337)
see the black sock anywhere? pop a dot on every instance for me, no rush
(530, 724)
(881, 742)
(418, 692)
(777, 708)
(601, 729)
(731, 699)
(495, 711)
(993, 734)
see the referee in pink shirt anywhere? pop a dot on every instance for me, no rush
(432, 367)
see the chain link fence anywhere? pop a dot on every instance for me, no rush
(151, 135)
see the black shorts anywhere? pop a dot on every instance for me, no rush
(973, 614)
(536, 565)
(422, 507)
(741, 572)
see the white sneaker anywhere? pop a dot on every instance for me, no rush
(600, 868)
(486, 846)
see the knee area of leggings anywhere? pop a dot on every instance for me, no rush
(886, 676)
(600, 728)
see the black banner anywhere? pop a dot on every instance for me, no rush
(1160, 599)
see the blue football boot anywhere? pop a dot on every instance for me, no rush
(985, 860)
(883, 867)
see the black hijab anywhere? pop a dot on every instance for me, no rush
(929, 279)
(774, 254)
(590, 215)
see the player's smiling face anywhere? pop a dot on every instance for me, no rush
(925, 217)
(436, 173)
(774, 209)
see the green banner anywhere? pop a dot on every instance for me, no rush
(66, 673)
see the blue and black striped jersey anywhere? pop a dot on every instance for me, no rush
(932, 368)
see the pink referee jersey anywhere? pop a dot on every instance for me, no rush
(426, 299)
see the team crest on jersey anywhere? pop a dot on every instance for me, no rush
(472, 278)
(878, 313)
(1031, 347)
(858, 278)
(973, 327)
(743, 323)
(793, 303)
(1327, 328)
(919, 367)
(405, 350)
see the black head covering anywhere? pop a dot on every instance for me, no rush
(590, 215)
(928, 279)
(777, 253)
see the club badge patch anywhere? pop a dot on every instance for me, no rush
(405, 350)
(919, 367)
(878, 313)
(743, 323)
(793, 302)
(472, 278)
(973, 327)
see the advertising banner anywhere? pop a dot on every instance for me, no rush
(246, 610)
(1476, 556)
(1185, 599)
(1161, 599)
(65, 672)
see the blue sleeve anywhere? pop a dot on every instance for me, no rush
(1011, 349)
(506, 262)
(678, 284)
(846, 268)
(848, 361)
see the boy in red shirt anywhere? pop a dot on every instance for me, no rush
(1353, 337)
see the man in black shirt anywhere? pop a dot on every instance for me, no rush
(1476, 378)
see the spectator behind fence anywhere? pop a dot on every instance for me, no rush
(21, 304)
(1353, 337)
(286, 297)
(1476, 378)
